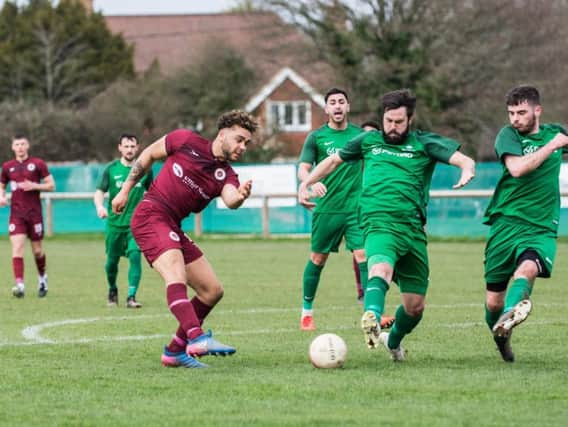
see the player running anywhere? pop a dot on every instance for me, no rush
(399, 164)
(523, 214)
(119, 241)
(195, 171)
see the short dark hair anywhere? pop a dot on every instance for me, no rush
(372, 124)
(523, 93)
(398, 98)
(19, 135)
(335, 91)
(239, 118)
(129, 136)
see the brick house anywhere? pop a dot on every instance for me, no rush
(281, 56)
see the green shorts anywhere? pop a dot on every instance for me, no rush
(508, 239)
(119, 242)
(403, 246)
(329, 228)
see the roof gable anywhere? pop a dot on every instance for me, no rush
(276, 81)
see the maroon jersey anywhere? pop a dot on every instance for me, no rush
(32, 169)
(191, 176)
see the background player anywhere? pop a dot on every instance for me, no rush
(119, 241)
(28, 176)
(195, 171)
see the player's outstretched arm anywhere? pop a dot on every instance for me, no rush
(522, 165)
(467, 166)
(234, 197)
(155, 151)
(323, 169)
(3, 198)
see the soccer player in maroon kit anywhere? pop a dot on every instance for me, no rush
(28, 176)
(195, 171)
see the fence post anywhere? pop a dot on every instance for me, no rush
(198, 225)
(265, 218)
(49, 215)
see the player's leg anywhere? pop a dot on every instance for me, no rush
(209, 291)
(358, 273)
(35, 233)
(310, 283)
(134, 271)
(17, 242)
(412, 272)
(114, 249)
(40, 260)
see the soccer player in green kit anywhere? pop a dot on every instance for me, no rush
(523, 214)
(399, 164)
(335, 214)
(119, 241)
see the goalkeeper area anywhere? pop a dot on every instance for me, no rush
(69, 360)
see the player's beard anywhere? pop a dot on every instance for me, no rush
(529, 127)
(396, 138)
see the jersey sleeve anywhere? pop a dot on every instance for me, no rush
(309, 150)
(507, 142)
(43, 170)
(103, 182)
(438, 147)
(232, 178)
(352, 150)
(175, 139)
(560, 129)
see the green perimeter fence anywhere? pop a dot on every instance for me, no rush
(451, 213)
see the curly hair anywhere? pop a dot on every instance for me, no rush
(237, 117)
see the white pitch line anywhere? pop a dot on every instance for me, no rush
(33, 333)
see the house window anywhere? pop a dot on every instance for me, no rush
(289, 116)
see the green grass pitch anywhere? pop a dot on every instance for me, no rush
(69, 360)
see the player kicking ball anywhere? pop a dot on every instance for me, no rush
(195, 171)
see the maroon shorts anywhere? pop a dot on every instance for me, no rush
(156, 232)
(30, 225)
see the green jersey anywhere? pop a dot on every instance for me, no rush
(396, 177)
(534, 197)
(111, 180)
(344, 184)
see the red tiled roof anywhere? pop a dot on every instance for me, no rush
(261, 37)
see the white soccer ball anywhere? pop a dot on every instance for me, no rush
(328, 351)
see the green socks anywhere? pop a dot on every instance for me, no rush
(134, 272)
(363, 269)
(491, 317)
(375, 295)
(312, 275)
(403, 325)
(111, 269)
(520, 289)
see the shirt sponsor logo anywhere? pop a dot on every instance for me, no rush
(529, 149)
(31, 167)
(379, 150)
(331, 150)
(174, 236)
(178, 171)
(118, 184)
(220, 174)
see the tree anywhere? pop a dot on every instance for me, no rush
(60, 54)
(454, 55)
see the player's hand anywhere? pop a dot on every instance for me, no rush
(102, 213)
(466, 176)
(304, 196)
(119, 202)
(27, 185)
(244, 189)
(318, 190)
(3, 201)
